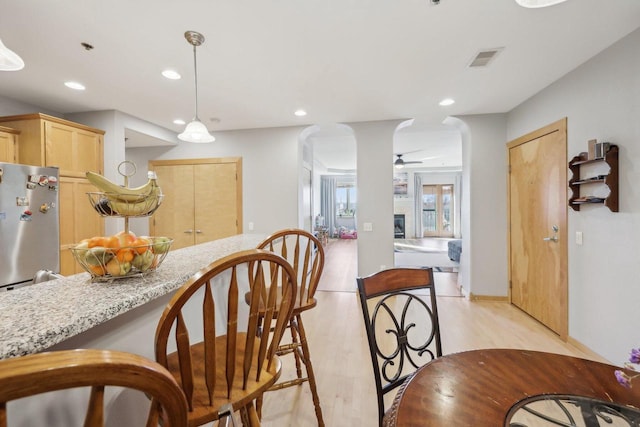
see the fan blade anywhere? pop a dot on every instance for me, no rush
(408, 152)
(412, 162)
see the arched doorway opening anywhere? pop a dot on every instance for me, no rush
(427, 195)
(329, 201)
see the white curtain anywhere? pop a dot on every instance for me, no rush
(328, 201)
(417, 204)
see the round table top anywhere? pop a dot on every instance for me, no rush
(477, 388)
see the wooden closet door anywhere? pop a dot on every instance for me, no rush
(537, 204)
(216, 201)
(174, 217)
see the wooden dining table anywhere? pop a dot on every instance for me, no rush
(484, 387)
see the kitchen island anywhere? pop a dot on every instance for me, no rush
(74, 312)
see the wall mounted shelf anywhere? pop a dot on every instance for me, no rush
(610, 180)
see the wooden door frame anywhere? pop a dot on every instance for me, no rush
(558, 126)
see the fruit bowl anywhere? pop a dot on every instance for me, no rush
(122, 204)
(104, 258)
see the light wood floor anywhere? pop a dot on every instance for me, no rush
(342, 363)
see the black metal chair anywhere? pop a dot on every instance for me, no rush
(401, 319)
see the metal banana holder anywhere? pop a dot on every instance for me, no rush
(112, 205)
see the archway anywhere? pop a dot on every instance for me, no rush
(428, 202)
(328, 150)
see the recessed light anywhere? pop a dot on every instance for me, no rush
(171, 74)
(447, 101)
(75, 85)
(300, 113)
(179, 122)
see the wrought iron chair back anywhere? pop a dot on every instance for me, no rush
(401, 319)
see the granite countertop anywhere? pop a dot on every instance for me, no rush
(36, 317)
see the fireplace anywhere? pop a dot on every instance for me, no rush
(398, 226)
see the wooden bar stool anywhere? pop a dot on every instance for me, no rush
(306, 254)
(95, 369)
(228, 363)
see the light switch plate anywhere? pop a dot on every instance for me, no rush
(367, 226)
(578, 237)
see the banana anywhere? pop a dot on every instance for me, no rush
(142, 207)
(119, 192)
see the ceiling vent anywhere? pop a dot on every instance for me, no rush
(484, 57)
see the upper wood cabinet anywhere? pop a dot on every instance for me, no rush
(8, 145)
(50, 141)
(74, 149)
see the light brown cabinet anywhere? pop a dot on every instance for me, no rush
(8, 145)
(202, 200)
(74, 149)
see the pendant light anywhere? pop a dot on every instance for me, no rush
(9, 60)
(195, 131)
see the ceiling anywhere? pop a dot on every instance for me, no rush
(341, 61)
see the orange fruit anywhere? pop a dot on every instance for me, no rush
(125, 254)
(98, 270)
(141, 245)
(111, 242)
(125, 239)
(96, 241)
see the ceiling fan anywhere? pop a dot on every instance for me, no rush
(400, 162)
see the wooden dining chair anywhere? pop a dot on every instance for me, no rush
(401, 320)
(306, 254)
(226, 363)
(94, 370)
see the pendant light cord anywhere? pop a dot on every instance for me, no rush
(195, 68)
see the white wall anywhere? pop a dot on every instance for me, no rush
(12, 107)
(601, 99)
(270, 171)
(375, 194)
(483, 263)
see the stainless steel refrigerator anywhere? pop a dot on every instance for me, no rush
(29, 225)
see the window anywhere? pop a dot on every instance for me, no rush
(437, 210)
(346, 199)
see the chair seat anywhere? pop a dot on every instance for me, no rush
(203, 413)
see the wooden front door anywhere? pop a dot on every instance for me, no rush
(538, 225)
(202, 200)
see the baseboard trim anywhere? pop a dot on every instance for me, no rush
(585, 349)
(496, 298)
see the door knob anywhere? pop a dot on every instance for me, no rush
(553, 238)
